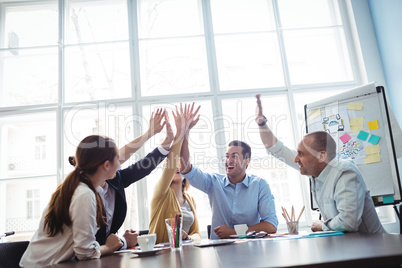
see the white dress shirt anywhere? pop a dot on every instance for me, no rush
(108, 195)
(341, 194)
(77, 240)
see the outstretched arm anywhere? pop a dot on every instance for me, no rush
(182, 119)
(267, 137)
(185, 165)
(155, 126)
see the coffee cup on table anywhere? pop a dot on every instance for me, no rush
(146, 242)
(241, 229)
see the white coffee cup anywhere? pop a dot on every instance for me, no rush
(146, 242)
(241, 229)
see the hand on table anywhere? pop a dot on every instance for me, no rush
(223, 231)
(184, 235)
(317, 226)
(131, 238)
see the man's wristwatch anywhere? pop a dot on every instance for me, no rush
(263, 122)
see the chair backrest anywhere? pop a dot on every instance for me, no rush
(11, 253)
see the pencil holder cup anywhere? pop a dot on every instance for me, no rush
(293, 227)
(174, 228)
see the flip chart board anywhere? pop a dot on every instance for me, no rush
(359, 121)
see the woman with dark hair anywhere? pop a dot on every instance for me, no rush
(171, 196)
(75, 211)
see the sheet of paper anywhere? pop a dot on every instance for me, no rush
(335, 120)
(352, 150)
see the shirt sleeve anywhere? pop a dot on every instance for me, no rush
(169, 169)
(348, 204)
(83, 216)
(200, 180)
(266, 204)
(163, 150)
(283, 153)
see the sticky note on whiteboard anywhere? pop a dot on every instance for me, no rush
(314, 114)
(388, 199)
(374, 149)
(355, 106)
(372, 158)
(358, 121)
(355, 129)
(345, 138)
(373, 125)
(373, 139)
(363, 135)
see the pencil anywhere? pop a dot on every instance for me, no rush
(171, 225)
(301, 212)
(174, 232)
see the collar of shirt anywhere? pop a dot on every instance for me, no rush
(245, 181)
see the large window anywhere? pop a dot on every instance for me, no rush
(73, 68)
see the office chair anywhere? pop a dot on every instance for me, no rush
(11, 253)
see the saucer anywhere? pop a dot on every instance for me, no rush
(147, 252)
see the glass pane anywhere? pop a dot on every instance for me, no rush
(249, 61)
(96, 21)
(18, 135)
(203, 154)
(309, 13)
(231, 16)
(169, 18)
(31, 25)
(173, 66)
(240, 125)
(28, 77)
(22, 214)
(97, 72)
(109, 120)
(317, 56)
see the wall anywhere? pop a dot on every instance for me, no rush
(387, 22)
(378, 24)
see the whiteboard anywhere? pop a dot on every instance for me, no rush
(359, 121)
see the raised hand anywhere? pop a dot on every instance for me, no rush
(259, 118)
(185, 118)
(155, 122)
(169, 131)
(194, 119)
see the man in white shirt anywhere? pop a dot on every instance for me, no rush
(337, 186)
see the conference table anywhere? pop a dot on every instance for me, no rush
(348, 250)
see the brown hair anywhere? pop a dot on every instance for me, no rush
(246, 149)
(323, 141)
(92, 152)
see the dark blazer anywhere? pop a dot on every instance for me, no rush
(123, 179)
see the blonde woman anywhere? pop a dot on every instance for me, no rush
(171, 196)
